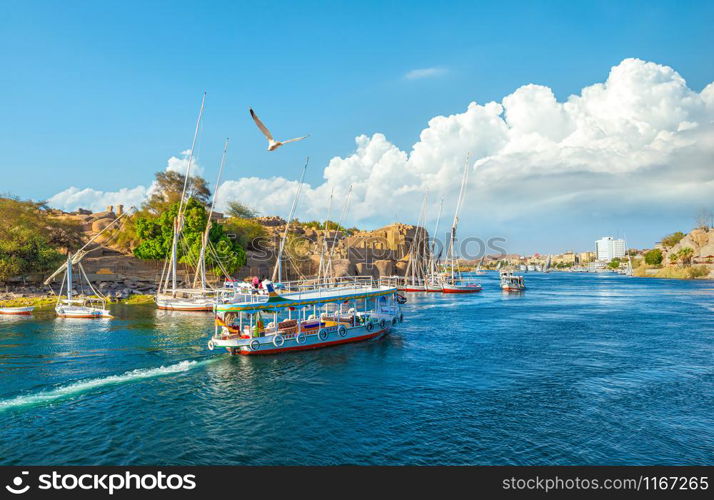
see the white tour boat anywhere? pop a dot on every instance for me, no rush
(352, 309)
(511, 282)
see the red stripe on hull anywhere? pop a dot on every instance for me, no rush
(314, 346)
(414, 290)
(197, 309)
(26, 313)
(462, 291)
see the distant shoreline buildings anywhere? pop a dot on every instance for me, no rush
(608, 248)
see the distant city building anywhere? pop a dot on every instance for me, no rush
(608, 248)
(564, 258)
(585, 257)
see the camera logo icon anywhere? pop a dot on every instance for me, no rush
(16, 488)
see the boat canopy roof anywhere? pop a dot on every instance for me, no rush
(311, 295)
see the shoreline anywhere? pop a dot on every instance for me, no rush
(45, 302)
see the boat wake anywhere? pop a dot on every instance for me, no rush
(73, 389)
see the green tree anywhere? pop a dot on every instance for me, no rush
(240, 211)
(672, 239)
(248, 233)
(168, 187)
(653, 257)
(155, 233)
(614, 263)
(30, 237)
(685, 255)
(674, 257)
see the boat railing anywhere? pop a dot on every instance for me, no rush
(318, 288)
(321, 284)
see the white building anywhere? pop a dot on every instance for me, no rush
(608, 248)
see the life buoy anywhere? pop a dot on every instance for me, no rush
(342, 330)
(211, 345)
(394, 321)
(323, 334)
(278, 340)
(300, 338)
(255, 345)
(382, 323)
(369, 326)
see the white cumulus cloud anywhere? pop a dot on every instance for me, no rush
(73, 197)
(640, 141)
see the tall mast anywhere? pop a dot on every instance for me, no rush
(436, 232)
(201, 269)
(278, 269)
(69, 276)
(343, 214)
(459, 202)
(178, 222)
(324, 237)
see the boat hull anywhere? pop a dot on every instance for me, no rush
(17, 311)
(414, 289)
(170, 304)
(461, 289)
(512, 289)
(260, 346)
(83, 314)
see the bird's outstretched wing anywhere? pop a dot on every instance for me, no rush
(296, 139)
(260, 125)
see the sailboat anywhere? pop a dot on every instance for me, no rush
(80, 307)
(277, 277)
(94, 306)
(434, 281)
(479, 268)
(454, 282)
(414, 274)
(196, 298)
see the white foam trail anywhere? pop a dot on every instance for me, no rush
(88, 385)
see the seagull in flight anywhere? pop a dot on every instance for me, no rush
(272, 143)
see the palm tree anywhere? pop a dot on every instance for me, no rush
(685, 254)
(673, 257)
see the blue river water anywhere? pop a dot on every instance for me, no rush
(579, 369)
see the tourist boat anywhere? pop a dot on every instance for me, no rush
(352, 309)
(453, 281)
(18, 311)
(511, 282)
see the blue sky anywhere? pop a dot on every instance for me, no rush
(101, 94)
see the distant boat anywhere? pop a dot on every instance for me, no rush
(17, 311)
(511, 282)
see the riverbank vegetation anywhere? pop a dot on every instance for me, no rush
(31, 239)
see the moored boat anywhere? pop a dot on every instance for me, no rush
(452, 280)
(25, 311)
(81, 307)
(351, 310)
(461, 287)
